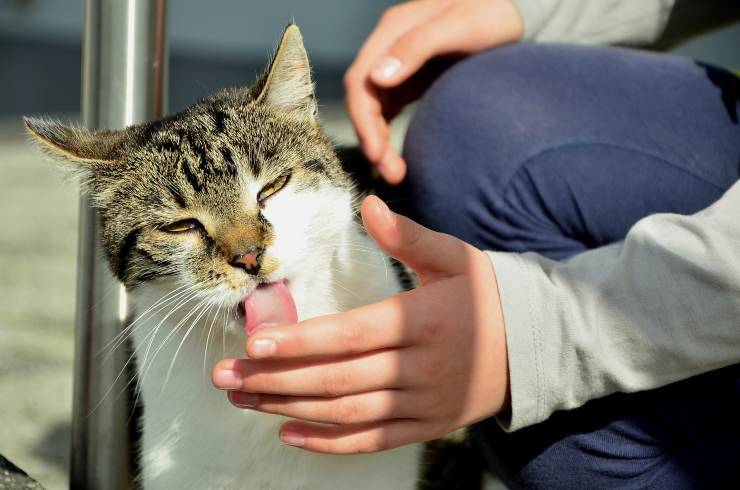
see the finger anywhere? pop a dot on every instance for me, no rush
(358, 374)
(427, 252)
(395, 322)
(362, 100)
(352, 409)
(353, 439)
(440, 35)
(368, 328)
(391, 166)
(366, 113)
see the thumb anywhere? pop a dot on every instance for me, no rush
(425, 251)
(414, 48)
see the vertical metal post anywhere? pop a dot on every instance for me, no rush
(123, 83)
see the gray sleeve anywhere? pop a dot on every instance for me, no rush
(626, 22)
(662, 306)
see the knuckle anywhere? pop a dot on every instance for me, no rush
(352, 338)
(430, 329)
(334, 382)
(413, 40)
(390, 13)
(371, 444)
(345, 412)
(431, 402)
(432, 368)
(350, 78)
(263, 383)
(413, 235)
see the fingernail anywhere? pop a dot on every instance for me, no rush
(227, 379)
(241, 399)
(387, 68)
(292, 439)
(263, 348)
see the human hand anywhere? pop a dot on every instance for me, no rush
(410, 368)
(387, 75)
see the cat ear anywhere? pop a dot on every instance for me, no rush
(288, 84)
(77, 145)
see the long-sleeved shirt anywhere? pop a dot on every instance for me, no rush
(661, 306)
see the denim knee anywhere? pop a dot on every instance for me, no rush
(458, 155)
(509, 148)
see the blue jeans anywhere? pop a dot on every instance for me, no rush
(559, 149)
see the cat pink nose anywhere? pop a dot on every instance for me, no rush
(250, 261)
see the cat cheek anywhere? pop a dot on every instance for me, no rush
(269, 265)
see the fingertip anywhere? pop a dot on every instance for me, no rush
(376, 216)
(392, 167)
(223, 375)
(292, 433)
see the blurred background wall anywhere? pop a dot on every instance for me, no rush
(212, 44)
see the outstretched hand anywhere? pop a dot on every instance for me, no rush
(410, 368)
(387, 75)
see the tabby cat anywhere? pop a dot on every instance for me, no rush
(241, 191)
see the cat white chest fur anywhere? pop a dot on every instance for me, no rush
(194, 438)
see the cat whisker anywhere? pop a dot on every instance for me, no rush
(118, 376)
(146, 362)
(147, 368)
(124, 334)
(208, 337)
(203, 310)
(159, 305)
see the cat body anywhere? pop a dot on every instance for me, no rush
(243, 190)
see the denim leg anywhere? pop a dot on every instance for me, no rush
(559, 149)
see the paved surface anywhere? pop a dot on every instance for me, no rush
(13, 478)
(38, 247)
(38, 230)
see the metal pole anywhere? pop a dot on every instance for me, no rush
(124, 78)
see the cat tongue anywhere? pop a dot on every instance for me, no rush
(269, 304)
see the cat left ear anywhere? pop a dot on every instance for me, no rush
(77, 145)
(288, 84)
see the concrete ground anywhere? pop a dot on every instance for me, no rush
(38, 246)
(38, 219)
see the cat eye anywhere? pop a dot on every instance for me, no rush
(272, 188)
(182, 226)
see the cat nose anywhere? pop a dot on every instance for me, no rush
(250, 261)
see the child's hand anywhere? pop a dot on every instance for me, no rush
(411, 368)
(386, 75)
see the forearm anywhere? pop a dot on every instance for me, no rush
(660, 307)
(626, 22)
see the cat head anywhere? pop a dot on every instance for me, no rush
(241, 188)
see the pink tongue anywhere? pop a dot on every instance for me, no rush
(269, 304)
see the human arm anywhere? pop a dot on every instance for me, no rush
(625, 22)
(662, 306)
